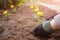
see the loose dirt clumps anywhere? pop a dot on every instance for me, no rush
(21, 25)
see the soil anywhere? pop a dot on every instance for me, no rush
(21, 24)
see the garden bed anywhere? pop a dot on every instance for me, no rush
(21, 25)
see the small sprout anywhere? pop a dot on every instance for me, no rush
(31, 6)
(20, 4)
(12, 6)
(36, 12)
(36, 9)
(14, 10)
(40, 13)
(37, 18)
(5, 12)
(36, 6)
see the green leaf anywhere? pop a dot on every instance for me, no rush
(6, 16)
(14, 10)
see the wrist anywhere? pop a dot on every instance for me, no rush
(54, 26)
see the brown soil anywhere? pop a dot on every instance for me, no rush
(21, 24)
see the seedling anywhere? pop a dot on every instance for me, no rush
(12, 6)
(6, 14)
(20, 4)
(14, 10)
(36, 13)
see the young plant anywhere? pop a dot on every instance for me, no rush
(6, 14)
(20, 4)
(14, 10)
(36, 13)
